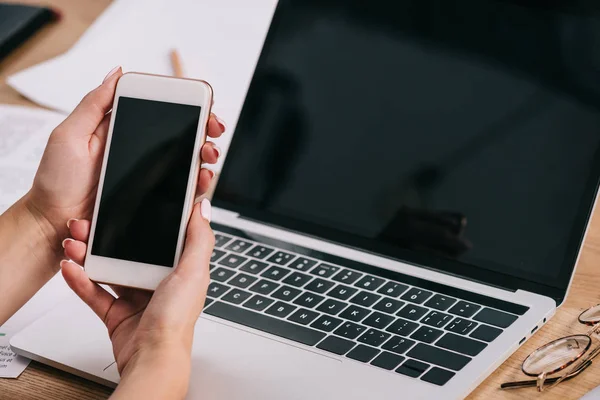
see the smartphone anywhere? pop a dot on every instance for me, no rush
(148, 179)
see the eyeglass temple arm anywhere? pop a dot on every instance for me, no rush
(533, 382)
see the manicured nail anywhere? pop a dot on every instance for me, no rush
(217, 150)
(111, 73)
(70, 221)
(205, 209)
(221, 123)
(63, 262)
(67, 240)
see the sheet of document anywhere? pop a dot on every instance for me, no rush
(219, 41)
(24, 132)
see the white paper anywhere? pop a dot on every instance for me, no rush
(24, 133)
(219, 41)
(11, 365)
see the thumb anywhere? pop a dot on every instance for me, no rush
(93, 107)
(199, 242)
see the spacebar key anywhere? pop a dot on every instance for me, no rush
(264, 323)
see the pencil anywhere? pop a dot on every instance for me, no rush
(176, 64)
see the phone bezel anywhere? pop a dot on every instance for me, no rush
(160, 88)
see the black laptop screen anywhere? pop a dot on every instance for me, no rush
(461, 136)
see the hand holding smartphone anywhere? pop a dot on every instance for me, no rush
(148, 179)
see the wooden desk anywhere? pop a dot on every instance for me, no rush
(42, 382)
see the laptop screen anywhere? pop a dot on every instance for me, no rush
(460, 136)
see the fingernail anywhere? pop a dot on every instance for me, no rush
(205, 209)
(111, 73)
(221, 123)
(64, 242)
(217, 150)
(212, 173)
(70, 221)
(63, 262)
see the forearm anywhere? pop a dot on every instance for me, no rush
(29, 256)
(155, 374)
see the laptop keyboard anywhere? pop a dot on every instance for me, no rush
(378, 317)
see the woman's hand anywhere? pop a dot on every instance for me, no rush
(151, 333)
(67, 178)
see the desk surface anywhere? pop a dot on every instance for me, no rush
(42, 382)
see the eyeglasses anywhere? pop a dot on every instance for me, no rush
(567, 357)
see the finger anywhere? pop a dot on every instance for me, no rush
(216, 126)
(210, 153)
(75, 250)
(101, 131)
(199, 244)
(204, 181)
(98, 299)
(91, 110)
(80, 229)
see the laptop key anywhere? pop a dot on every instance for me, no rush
(280, 309)
(258, 302)
(362, 353)
(239, 246)
(264, 287)
(216, 254)
(393, 289)
(236, 296)
(254, 267)
(495, 317)
(281, 258)
(336, 345)
(324, 270)
(302, 264)
(303, 316)
(461, 344)
(462, 326)
(417, 296)
(259, 251)
(355, 313)
(275, 273)
(286, 293)
(486, 333)
(232, 260)
(265, 323)
(207, 302)
(297, 279)
(331, 306)
(387, 360)
(349, 330)
(221, 274)
(242, 280)
(388, 305)
(413, 312)
(365, 299)
(398, 344)
(426, 334)
(378, 320)
(437, 376)
(215, 289)
(402, 327)
(319, 285)
(342, 292)
(464, 309)
(221, 240)
(437, 356)
(436, 319)
(347, 276)
(211, 266)
(308, 300)
(412, 368)
(369, 283)
(326, 323)
(440, 302)
(373, 337)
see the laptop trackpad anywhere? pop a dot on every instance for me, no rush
(230, 363)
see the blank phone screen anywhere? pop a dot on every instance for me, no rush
(149, 162)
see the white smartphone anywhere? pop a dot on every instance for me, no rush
(148, 179)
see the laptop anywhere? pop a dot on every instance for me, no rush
(402, 205)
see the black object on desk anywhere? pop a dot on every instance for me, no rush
(18, 23)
